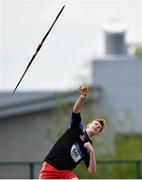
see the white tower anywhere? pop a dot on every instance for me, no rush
(115, 37)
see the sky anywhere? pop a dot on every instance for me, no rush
(64, 61)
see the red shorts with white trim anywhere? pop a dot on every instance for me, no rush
(49, 172)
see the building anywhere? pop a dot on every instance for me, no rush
(121, 83)
(119, 76)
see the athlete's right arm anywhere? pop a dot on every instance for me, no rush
(78, 104)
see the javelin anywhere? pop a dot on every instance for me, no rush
(38, 48)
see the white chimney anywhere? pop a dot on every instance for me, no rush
(115, 37)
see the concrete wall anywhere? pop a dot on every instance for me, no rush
(20, 138)
(27, 138)
(121, 83)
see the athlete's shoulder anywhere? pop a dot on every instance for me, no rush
(75, 121)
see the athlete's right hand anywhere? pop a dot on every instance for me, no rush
(83, 90)
(89, 147)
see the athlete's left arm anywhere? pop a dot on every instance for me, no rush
(92, 161)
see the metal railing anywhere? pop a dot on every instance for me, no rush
(136, 163)
(32, 172)
(30, 166)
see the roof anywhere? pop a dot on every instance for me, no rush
(27, 102)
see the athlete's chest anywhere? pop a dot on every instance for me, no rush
(77, 150)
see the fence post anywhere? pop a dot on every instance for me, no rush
(138, 175)
(31, 166)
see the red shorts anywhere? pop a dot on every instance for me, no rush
(49, 172)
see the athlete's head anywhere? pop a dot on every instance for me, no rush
(95, 127)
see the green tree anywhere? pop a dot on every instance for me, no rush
(138, 50)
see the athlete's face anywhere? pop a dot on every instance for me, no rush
(94, 127)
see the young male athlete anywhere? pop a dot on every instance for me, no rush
(73, 146)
